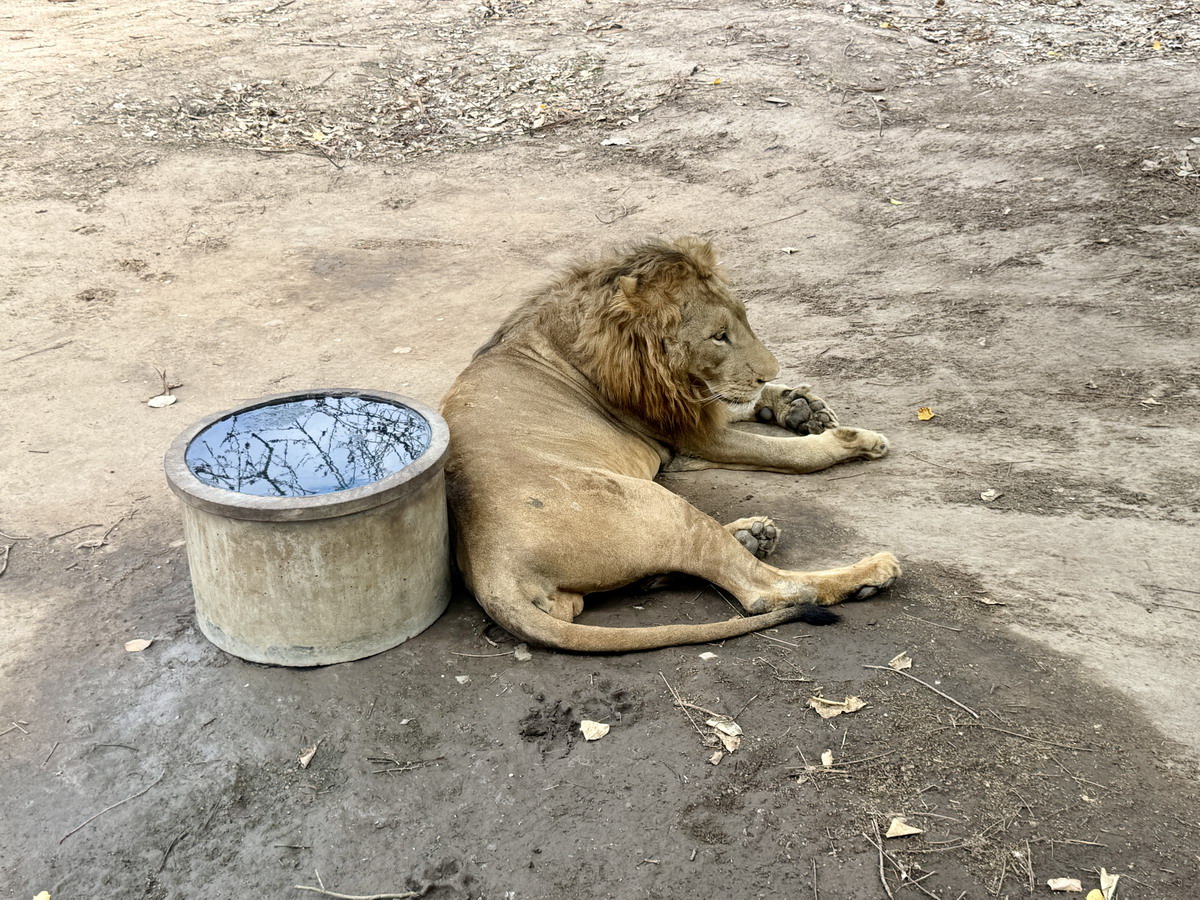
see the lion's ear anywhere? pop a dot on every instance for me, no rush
(701, 252)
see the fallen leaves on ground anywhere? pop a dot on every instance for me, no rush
(137, 646)
(1065, 884)
(900, 661)
(925, 413)
(593, 731)
(827, 709)
(898, 827)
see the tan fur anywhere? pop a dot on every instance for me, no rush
(615, 370)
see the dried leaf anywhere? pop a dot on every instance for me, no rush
(138, 645)
(924, 413)
(160, 401)
(900, 828)
(615, 142)
(44, 895)
(778, 101)
(521, 653)
(1149, 401)
(989, 495)
(827, 709)
(306, 755)
(1095, 894)
(1108, 884)
(988, 601)
(1065, 884)
(730, 741)
(708, 654)
(789, 250)
(725, 725)
(716, 81)
(827, 758)
(402, 350)
(717, 757)
(593, 731)
(900, 662)
(463, 679)
(895, 202)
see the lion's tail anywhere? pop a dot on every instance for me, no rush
(531, 624)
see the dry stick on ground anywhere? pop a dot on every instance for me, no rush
(13, 537)
(318, 890)
(878, 845)
(4, 557)
(482, 655)
(114, 806)
(926, 684)
(683, 704)
(1027, 737)
(927, 622)
(1175, 606)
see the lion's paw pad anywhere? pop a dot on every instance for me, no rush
(800, 411)
(759, 535)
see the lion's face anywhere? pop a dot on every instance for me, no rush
(719, 346)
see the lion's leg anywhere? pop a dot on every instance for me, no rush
(688, 541)
(730, 448)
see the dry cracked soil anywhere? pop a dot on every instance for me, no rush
(985, 208)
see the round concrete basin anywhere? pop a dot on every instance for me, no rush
(316, 524)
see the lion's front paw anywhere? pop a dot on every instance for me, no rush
(798, 409)
(862, 444)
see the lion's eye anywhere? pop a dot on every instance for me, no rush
(720, 337)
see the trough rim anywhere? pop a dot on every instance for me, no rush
(249, 507)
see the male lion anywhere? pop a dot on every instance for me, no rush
(619, 369)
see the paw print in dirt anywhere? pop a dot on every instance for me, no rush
(798, 409)
(554, 724)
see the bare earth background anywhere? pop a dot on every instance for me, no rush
(985, 207)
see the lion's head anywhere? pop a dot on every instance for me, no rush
(664, 339)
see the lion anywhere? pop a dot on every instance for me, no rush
(621, 368)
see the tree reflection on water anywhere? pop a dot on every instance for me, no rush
(302, 447)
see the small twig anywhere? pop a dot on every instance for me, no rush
(482, 655)
(1028, 737)
(1155, 602)
(110, 808)
(1181, 590)
(170, 847)
(927, 622)
(738, 714)
(321, 890)
(43, 350)
(13, 537)
(774, 221)
(4, 557)
(293, 846)
(683, 704)
(926, 684)
(815, 895)
(940, 466)
(17, 725)
(50, 754)
(878, 845)
(76, 528)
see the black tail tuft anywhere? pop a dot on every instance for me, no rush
(812, 614)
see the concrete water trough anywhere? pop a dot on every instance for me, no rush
(316, 524)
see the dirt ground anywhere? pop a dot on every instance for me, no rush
(987, 208)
